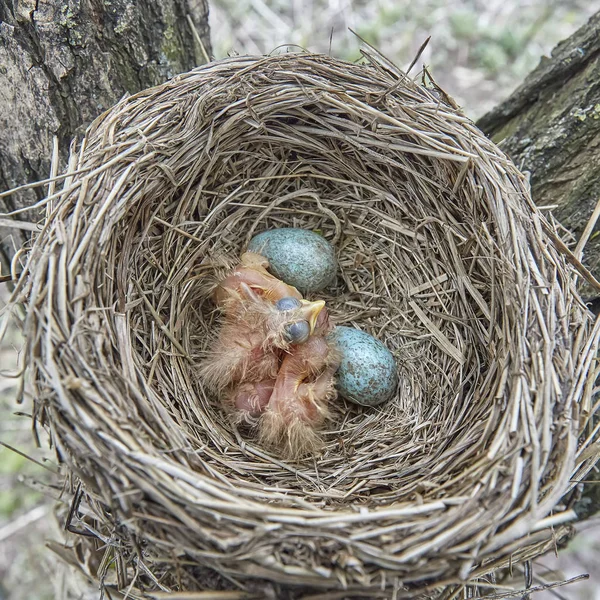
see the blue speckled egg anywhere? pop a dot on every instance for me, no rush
(367, 374)
(299, 257)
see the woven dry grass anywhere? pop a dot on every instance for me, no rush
(443, 256)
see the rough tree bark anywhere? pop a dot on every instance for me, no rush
(63, 62)
(550, 126)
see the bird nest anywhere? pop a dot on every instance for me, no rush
(442, 256)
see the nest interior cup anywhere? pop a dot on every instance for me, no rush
(442, 256)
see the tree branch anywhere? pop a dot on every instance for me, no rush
(62, 63)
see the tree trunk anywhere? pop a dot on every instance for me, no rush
(550, 126)
(63, 62)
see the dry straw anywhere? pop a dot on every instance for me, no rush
(443, 256)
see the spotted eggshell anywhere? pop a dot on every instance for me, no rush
(299, 257)
(367, 374)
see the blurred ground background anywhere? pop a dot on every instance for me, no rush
(479, 52)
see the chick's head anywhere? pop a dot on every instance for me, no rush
(284, 323)
(294, 320)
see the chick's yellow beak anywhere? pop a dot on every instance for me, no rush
(310, 312)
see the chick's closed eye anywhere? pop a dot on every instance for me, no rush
(297, 332)
(287, 303)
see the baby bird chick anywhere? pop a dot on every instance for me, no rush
(262, 318)
(298, 404)
(252, 271)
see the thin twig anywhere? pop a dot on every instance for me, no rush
(22, 522)
(418, 54)
(16, 224)
(197, 38)
(587, 232)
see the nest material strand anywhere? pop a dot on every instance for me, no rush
(442, 256)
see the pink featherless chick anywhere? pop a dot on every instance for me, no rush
(304, 387)
(263, 318)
